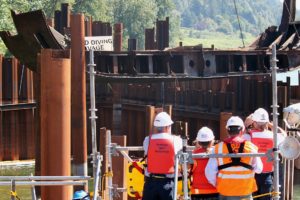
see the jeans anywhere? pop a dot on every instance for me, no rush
(264, 183)
(158, 189)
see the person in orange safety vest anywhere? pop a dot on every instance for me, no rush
(160, 149)
(234, 177)
(201, 189)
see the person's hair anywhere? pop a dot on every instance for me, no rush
(261, 125)
(205, 145)
(234, 130)
(160, 129)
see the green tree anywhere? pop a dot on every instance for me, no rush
(136, 15)
(98, 9)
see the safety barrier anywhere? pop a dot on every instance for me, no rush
(40, 181)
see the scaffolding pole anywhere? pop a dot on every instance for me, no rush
(275, 125)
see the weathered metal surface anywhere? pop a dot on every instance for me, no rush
(56, 120)
(149, 39)
(288, 14)
(33, 34)
(78, 95)
(101, 28)
(118, 36)
(132, 44)
(162, 33)
(65, 17)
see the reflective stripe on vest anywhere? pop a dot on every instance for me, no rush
(200, 184)
(264, 141)
(235, 180)
(161, 155)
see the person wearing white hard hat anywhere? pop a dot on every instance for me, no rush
(200, 187)
(234, 177)
(160, 150)
(262, 137)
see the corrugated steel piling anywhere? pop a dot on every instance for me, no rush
(56, 120)
(78, 94)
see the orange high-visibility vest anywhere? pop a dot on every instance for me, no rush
(161, 156)
(264, 141)
(235, 180)
(200, 184)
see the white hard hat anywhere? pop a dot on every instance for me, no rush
(235, 121)
(205, 134)
(162, 119)
(260, 115)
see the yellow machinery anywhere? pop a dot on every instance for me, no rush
(135, 180)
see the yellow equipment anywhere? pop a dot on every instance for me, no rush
(135, 180)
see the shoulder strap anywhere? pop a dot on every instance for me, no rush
(235, 161)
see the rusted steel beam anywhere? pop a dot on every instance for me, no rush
(33, 34)
(65, 17)
(30, 91)
(37, 122)
(224, 116)
(1, 137)
(1, 79)
(14, 136)
(119, 167)
(132, 44)
(162, 33)
(56, 120)
(6, 135)
(22, 134)
(88, 24)
(118, 35)
(101, 28)
(30, 137)
(150, 39)
(288, 14)
(7, 80)
(78, 95)
(57, 20)
(15, 85)
(150, 112)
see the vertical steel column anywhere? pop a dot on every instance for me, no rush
(14, 118)
(1, 113)
(65, 17)
(118, 36)
(37, 122)
(109, 165)
(275, 124)
(78, 95)
(1, 80)
(56, 120)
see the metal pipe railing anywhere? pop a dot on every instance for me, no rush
(44, 178)
(43, 183)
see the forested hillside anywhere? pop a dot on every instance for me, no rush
(188, 18)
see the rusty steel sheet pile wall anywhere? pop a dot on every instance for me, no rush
(16, 111)
(206, 101)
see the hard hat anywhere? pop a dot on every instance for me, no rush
(162, 119)
(81, 195)
(235, 121)
(260, 115)
(205, 134)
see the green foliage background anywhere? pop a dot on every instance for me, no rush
(190, 20)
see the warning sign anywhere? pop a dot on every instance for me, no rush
(99, 43)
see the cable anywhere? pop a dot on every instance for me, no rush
(238, 18)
